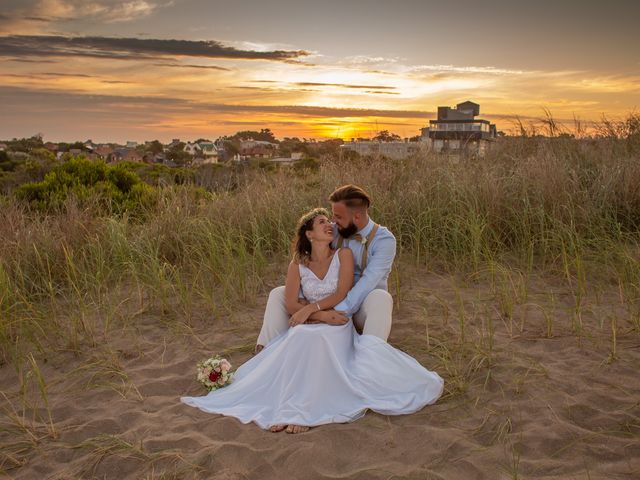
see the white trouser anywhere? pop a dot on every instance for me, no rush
(373, 318)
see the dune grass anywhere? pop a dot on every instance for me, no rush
(565, 206)
(567, 209)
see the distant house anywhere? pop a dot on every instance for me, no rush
(457, 130)
(174, 143)
(209, 151)
(257, 149)
(124, 154)
(192, 148)
(79, 152)
(131, 144)
(103, 151)
(52, 147)
(159, 158)
(395, 150)
(3, 147)
(150, 157)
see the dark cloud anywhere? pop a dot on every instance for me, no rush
(344, 85)
(314, 111)
(46, 75)
(38, 19)
(344, 123)
(24, 97)
(256, 123)
(374, 89)
(58, 74)
(115, 81)
(105, 11)
(29, 60)
(271, 90)
(130, 48)
(184, 65)
(35, 76)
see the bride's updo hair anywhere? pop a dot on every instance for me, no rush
(301, 246)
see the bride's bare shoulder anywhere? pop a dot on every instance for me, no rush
(294, 266)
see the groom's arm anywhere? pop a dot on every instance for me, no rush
(378, 267)
(330, 317)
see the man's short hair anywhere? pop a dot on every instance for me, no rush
(352, 196)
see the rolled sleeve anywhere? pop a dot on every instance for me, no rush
(379, 262)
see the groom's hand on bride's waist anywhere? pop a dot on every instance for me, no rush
(338, 317)
(330, 317)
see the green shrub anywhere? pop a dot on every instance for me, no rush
(115, 188)
(307, 163)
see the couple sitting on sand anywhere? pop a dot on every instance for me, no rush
(311, 366)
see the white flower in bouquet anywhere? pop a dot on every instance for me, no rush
(214, 373)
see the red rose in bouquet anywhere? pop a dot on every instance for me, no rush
(214, 373)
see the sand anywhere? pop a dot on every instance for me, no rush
(534, 402)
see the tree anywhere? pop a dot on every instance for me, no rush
(231, 147)
(6, 163)
(264, 135)
(25, 144)
(385, 136)
(290, 145)
(154, 147)
(178, 155)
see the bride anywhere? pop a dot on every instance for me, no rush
(319, 373)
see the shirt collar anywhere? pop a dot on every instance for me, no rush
(367, 229)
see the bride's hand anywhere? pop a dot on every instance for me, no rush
(300, 316)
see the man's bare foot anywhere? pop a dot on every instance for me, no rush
(258, 349)
(296, 429)
(277, 428)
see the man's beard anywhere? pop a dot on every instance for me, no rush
(348, 231)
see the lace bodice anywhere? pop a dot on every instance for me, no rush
(315, 289)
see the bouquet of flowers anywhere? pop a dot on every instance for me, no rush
(214, 373)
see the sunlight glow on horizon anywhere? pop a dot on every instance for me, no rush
(164, 83)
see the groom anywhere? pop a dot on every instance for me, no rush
(373, 247)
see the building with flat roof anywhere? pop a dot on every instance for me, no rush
(458, 130)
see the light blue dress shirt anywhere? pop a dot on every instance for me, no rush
(381, 252)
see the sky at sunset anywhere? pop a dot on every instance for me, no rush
(162, 69)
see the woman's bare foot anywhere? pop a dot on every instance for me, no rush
(277, 428)
(296, 429)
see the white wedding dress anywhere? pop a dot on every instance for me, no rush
(318, 373)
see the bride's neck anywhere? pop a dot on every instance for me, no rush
(320, 251)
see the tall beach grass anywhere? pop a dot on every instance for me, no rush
(570, 207)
